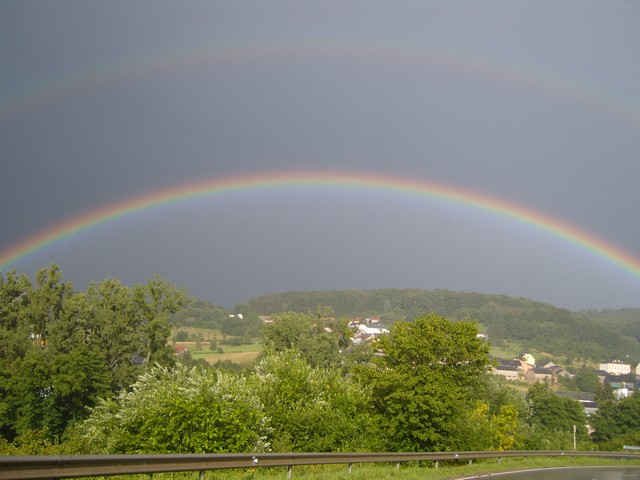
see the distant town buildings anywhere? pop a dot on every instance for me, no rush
(616, 367)
(524, 369)
(508, 369)
(364, 331)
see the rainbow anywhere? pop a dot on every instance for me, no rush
(350, 180)
(82, 82)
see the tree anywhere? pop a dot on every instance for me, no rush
(313, 409)
(616, 421)
(555, 416)
(60, 350)
(52, 389)
(604, 394)
(179, 410)
(318, 340)
(424, 382)
(587, 380)
(155, 302)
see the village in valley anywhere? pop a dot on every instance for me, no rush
(621, 378)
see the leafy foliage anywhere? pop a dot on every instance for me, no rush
(554, 417)
(60, 350)
(425, 380)
(313, 409)
(319, 340)
(67, 355)
(618, 422)
(179, 410)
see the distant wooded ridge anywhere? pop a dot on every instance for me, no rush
(595, 335)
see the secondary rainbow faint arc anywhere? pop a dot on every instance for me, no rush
(112, 211)
(180, 60)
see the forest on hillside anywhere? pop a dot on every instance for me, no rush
(594, 336)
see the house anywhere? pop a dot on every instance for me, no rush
(178, 349)
(616, 367)
(590, 407)
(509, 369)
(621, 393)
(542, 374)
(375, 331)
(557, 370)
(509, 373)
(526, 366)
(619, 381)
(365, 333)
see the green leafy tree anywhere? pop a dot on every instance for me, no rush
(60, 350)
(604, 394)
(54, 389)
(155, 302)
(587, 380)
(317, 339)
(554, 417)
(313, 409)
(425, 381)
(617, 422)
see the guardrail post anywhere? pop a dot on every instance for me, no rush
(289, 472)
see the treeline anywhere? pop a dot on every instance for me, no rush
(90, 372)
(531, 325)
(198, 313)
(61, 350)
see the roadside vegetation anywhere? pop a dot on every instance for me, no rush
(98, 371)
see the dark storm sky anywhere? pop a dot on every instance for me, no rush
(537, 103)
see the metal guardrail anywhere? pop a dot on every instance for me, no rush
(48, 467)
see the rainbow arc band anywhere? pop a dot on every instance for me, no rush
(350, 180)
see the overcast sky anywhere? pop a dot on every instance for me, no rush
(536, 103)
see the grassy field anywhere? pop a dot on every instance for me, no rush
(241, 354)
(241, 358)
(389, 472)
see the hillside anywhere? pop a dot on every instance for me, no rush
(512, 323)
(201, 314)
(625, 321)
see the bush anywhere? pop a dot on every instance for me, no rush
(179, 410)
